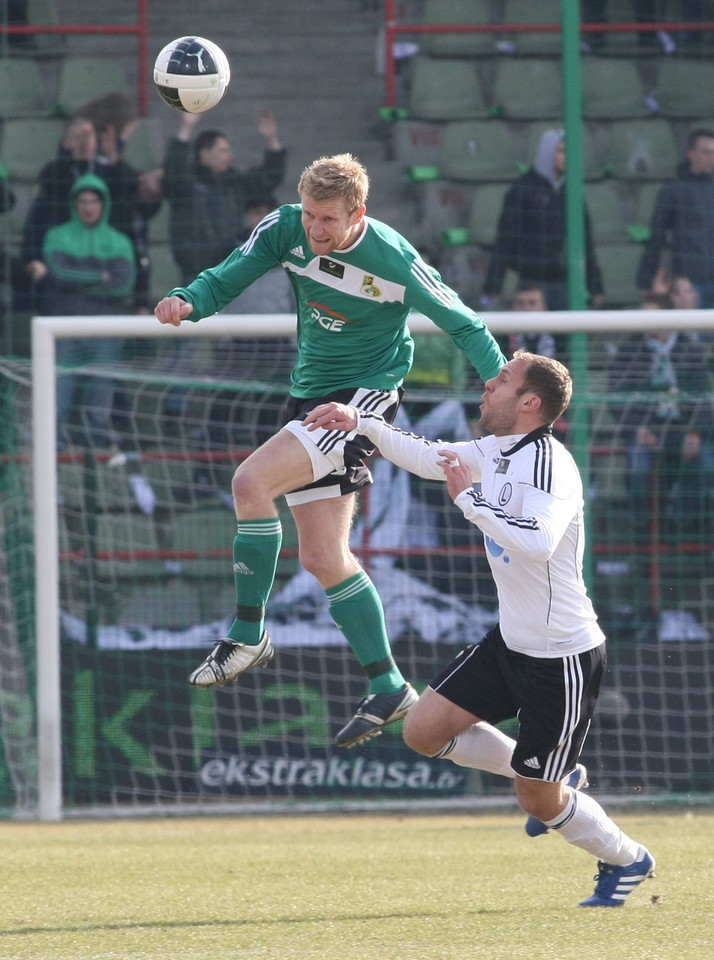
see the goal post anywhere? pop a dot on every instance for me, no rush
(444, 583)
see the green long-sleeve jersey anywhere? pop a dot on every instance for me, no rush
(353, 306)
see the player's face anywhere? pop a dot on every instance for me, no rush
(501, 402)
(329, 225)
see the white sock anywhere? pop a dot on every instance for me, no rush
(585, 824)
(481, 747)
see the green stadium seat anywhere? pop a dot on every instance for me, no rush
(83, 78)
(642, 150)
(542, 12)
(28, 144)
(470, 12)
(612, 89)
(619, 263)
(445, 89)
(607, 203)
(209, 532)
(486, 206)
(22, 91)
(477, 150)
(528, 89)
(684, 88)
(645, 198)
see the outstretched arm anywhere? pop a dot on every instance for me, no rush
(433, 460)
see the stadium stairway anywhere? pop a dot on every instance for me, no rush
(316, 68)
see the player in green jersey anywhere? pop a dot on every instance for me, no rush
(356, 281)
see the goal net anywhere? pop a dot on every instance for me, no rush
(116, 569)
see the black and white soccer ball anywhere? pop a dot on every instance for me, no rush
(191, 74)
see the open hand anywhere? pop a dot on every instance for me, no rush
(332, 416)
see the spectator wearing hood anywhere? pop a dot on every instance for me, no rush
(531, 238)
(87, 269)
(683, 222)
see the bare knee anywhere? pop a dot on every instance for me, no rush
(420, 736)
(249, 495)
(541, 799)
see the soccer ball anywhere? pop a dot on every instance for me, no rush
(191, 74)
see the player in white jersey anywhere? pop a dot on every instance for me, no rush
(545, 660)
(356, 282)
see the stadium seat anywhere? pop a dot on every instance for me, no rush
(477, 150)
(84, 78)
(528, 89)
(27, 145)
(416, 142)
(684, 88)
(23, 91)
(469, 12)
(209, 531)
(441, 205)
(642, 150)
(607, 204)
(486, 206)
(612, 89)
(122, 534)
(542, 12)
(619, 263)
(645, 198)
(445, 89)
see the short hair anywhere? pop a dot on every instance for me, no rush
(334, 178)
(207, 140)
(550, 380)
(699, 133)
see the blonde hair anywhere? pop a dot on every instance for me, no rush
(333, 178)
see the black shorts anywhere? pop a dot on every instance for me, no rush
(553, 699)
(351, 473)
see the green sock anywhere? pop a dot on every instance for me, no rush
(256, 548)
(357, 610)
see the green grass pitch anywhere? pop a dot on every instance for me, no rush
(345, 887)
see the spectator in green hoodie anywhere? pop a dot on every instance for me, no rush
(88, 269)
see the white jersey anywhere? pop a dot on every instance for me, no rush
(530, 510)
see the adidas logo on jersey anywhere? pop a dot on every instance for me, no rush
(241, 568)
(298, 252)
(532, 763)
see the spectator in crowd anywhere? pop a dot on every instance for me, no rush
(530, 298)
(209, 196)
(87, 269)
(683, 221)
(667, 427)
(135, 196)
(531, 238)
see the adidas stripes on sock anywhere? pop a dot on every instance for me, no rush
(256, 548)
(357, 610)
